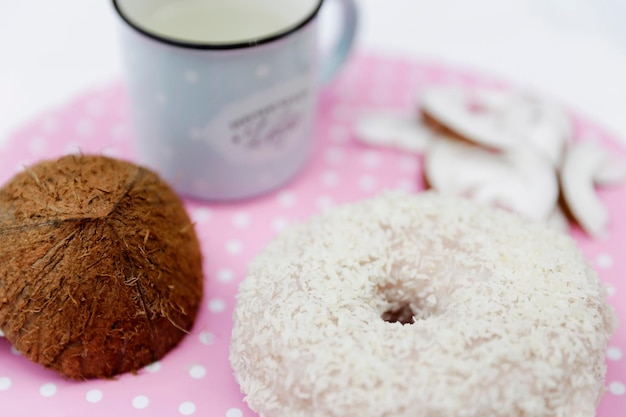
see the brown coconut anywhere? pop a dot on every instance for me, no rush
(100, 266)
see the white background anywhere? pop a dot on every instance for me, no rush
(50, 50)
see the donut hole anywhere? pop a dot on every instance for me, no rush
(409, 301)
(403, 314)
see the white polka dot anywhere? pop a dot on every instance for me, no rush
(217, 305)
(334, 155)
(604, 260)
(614, 353)
(110, 151)
(191, 76)
(48, 390)
(262, 71)
(72, 148)
(324, 203)
(197, 371)
(617, 388)
(406, 185)
(5, 383)
(95, 107)
(610, 290)
(94, 396)
(367, 183)
(153, 367)
(234, 412)
(242, 220)
(1, 333)
(279, 224)
(187, 408)
(201, 215)
(119, 131)
(140, 402)
(15, 352)
(370, 159)
(38, 145)
(409, 164)
(206, 338)
(286, 199)
(330, 178)
(234, 247)
(84, 127)
(50, 124)
(225, 275)
(21, 166)
(160, 98)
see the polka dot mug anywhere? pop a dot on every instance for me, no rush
(223, 94)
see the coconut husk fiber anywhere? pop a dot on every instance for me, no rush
(100, 266)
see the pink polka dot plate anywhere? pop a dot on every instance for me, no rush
(195, 378)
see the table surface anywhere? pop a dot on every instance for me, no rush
(567, 49)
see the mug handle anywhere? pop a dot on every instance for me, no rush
(334, 57)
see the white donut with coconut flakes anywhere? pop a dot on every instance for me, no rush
(421, 306)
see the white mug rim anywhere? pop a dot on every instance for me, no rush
(217, 46)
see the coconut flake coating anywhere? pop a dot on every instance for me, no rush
(509, 320)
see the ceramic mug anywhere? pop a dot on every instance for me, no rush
(223, 93)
